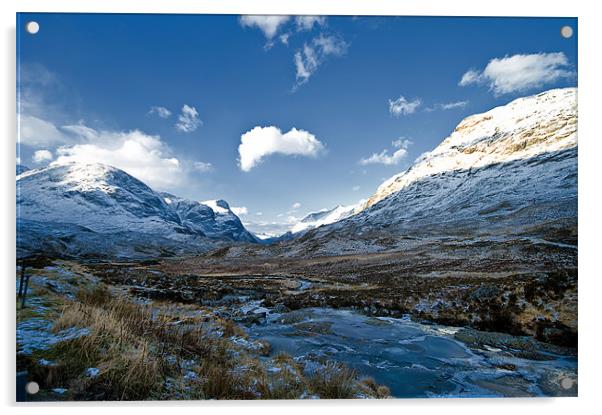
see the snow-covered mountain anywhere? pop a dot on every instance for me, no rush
(107, 201)
(509, 171)
(212, 218)
(324, 217)
(522, 129)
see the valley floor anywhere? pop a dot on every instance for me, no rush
(447, 320)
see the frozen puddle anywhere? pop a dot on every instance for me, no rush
(413, 359)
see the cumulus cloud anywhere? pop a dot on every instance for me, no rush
(308, 22)
(269, 25)
(239, 211)
(401, 106)
(40, 156)
(188, 119)
(314, 53)
(160, 111)
(519, 73)
(384, 157)
(296, 205)
(143, 156)
(261, 142)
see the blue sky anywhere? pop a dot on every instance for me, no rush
(352, 101)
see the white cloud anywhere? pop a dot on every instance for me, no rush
(284, 38)
(355, 188)
(81, 131)
(519, 73)
(296, 205)
(36, 132)
(269, 25)
(239, 211)
(160, 111)
(188, 120)
(454, 105)
(261, 142)
(143, 156)
(314, 54)
(259, 213)
(202, 166)
(389, 159)
(471, 76)
(308, 22)
(41, 156)
(401, 106)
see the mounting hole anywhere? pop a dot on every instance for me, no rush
(566, 32)
(567, 383)
(32, 388)
(32, 27)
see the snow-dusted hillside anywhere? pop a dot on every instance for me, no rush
(324, 217)
(507, 172)
(522, 129)
(105, 200)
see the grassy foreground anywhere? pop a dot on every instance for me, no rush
(90, 341)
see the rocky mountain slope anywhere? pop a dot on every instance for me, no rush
(94, 209)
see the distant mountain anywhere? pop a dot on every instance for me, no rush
(89, 209)
(507, 172)
(324, 217)
(212, 218)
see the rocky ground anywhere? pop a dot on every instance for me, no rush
(518, 286)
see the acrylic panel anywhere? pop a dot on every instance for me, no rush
(295, 207)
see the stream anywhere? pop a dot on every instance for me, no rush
(415, 359)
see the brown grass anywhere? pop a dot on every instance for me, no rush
(138, 350)
(334, 381)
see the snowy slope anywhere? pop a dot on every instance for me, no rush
(522, 129)
(509, 171)
(324, 217)
(105, 200)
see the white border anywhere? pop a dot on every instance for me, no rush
(590, 124)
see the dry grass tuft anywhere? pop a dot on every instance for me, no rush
(334, 381)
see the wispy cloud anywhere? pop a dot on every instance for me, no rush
(454, 105)
(308, 22)
(384, 157)
(447, 106)
(269, 25)
(202, 166)
(162, 112)
(239, 211)
(314, 53)
(519, 73)
(188, 119)
(402, 106)
(261, 142)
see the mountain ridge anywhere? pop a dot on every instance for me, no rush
(108, 201)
